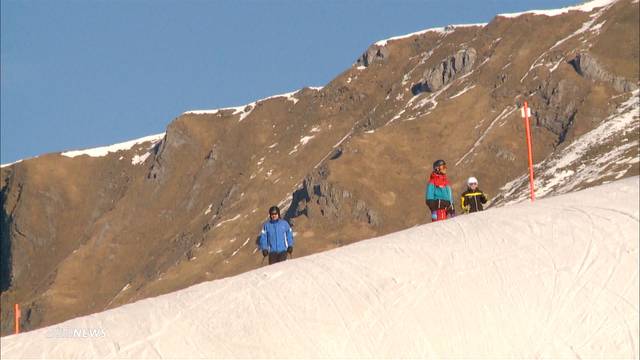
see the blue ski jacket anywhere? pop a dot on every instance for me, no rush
(276, 236)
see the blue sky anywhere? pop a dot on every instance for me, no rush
(79, 74)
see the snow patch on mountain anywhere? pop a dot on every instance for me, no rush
(9, 164)
(140, 159)
(226, 221)
(290, 96)
(303, 141)
(586, 7)
(462, 91)
(105, 150)
(441, 30)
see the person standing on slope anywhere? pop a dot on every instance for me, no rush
(276, 238)
(473, 198)
(439, 197)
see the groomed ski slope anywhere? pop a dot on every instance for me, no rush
(553, 279)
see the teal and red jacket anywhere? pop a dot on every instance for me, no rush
(438, 194)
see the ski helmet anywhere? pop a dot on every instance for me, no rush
(438, 163)
(274, 210)
(472, 180)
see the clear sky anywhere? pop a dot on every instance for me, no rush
(84, 73)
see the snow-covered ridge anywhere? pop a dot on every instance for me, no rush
(586, 7)
(104, 150)
(441, 30)
(241, 109)
(556, 279)
(9, 164)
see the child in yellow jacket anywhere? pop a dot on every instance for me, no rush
(473, 198)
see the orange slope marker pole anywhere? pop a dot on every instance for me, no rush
(526, 112)
(17, 313)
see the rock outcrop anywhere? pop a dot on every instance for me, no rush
(375, 53)
(560, 101)
(318, 197)
(449, 69)
(588, 66)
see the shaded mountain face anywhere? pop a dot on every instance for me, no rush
(345, 162)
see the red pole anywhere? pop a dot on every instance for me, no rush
(17, 313)
(528, 130)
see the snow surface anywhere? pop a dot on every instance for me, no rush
(140, 159)
(303, 141)
(105, 150)
(241, 109)
(442, 30)
(586, 7)
(9, 164)
(228, 220)
(462, 91)
(554, 279)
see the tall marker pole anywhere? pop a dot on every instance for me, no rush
(17, 319)
(526, 112)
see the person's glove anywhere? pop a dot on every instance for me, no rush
(290, 249)
(451, 211)
(265, 252)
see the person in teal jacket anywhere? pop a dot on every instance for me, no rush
(276, 238)
(439, 197)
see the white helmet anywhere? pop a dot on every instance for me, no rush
(472, 180)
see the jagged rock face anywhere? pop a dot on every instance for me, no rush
(588, 66)
(560, 105)
(455, 65)
(374, 53)
(319, 198)
(346, 162)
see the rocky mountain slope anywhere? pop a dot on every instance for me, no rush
(86, 231)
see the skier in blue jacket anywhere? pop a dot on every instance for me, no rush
(276, 238)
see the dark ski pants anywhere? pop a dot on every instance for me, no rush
(277, 257)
